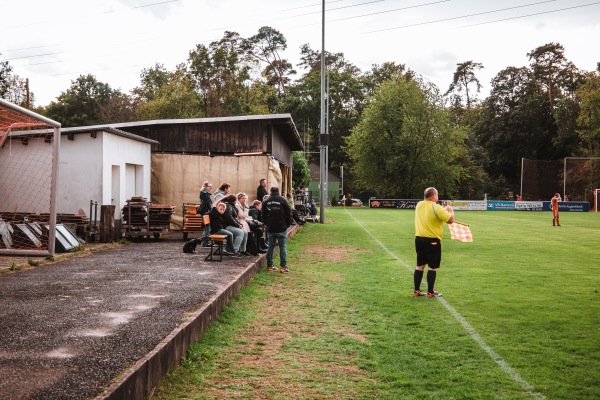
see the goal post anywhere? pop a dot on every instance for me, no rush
(574, 177)
(29, 147)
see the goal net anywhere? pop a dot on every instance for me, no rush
(29, 146)
(574, 177)
(540, 179)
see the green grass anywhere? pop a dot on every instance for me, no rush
(526, 289)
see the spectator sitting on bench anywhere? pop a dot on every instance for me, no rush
(218, 223)
(251, 226)
(255, 211)
(297, 220)
(313, 211)
(240, 236)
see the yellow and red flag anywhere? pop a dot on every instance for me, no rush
(460, 231)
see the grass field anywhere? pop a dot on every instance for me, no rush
(519, 317)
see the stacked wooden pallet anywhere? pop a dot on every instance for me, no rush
(160, 214)
(141, 218)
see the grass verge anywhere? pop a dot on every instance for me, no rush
(342, 324)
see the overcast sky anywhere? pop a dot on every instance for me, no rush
(53, 42)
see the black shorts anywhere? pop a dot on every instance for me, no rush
(429, 251)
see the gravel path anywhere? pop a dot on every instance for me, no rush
(69, 329)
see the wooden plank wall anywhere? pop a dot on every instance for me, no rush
(214, 137)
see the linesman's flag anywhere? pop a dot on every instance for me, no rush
(460, 231)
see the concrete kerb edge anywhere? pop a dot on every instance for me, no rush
(138, 382)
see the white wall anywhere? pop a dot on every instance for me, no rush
(133, 159)
(79, 173)
(108, 169)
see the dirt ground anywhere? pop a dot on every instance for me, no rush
(70, 327)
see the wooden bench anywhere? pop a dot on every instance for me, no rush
(215, 242)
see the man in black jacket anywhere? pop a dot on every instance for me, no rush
(261, 190)
(277, 216)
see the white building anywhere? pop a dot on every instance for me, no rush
(102, 164)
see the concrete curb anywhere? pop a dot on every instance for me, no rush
(138, 382)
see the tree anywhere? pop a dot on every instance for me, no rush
(464, 76)
(118, 108)
(13, 88)
(80, 104)
(589, 117)
(300, 170)
(404, 141)
(174, 99)
(152, 80)
(346, 101)
(267, 46)
(553, 71)
(5, 73)
(384, 72)
(17, 92)
(515, 122)
(220, 72)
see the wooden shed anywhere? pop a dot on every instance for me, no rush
(237, 150)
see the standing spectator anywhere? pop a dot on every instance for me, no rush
(277, 216)
(205, 207)
(261, 190)
(222, 191)
(554, 204)
(429, 228)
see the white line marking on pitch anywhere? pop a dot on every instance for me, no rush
(493, 355)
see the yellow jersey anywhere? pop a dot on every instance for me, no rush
(430, 218)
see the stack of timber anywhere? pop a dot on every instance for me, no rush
(144, 219)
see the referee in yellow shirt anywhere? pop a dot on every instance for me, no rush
(429, 228)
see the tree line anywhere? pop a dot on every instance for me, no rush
(392, 130)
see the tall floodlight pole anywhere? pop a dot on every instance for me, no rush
(324, 138)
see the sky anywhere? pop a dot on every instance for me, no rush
(53, 42)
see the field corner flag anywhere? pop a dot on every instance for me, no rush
(460, 231)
